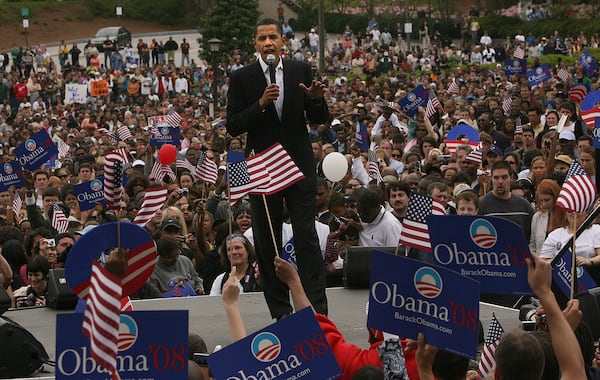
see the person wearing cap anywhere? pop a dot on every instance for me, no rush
(174, 269)
(562, 163)
(493, 155)
(567, 143)
(269, 115)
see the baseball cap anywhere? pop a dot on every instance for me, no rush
(495, 149)
(567, 135)
(138, 163)
(170, 222)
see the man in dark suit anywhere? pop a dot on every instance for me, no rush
(271, 113)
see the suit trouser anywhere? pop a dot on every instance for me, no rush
(301, 208)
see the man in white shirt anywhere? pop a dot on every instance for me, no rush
(380, 227)
(181, 84)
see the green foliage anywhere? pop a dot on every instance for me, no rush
(233, 22)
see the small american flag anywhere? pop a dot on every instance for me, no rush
(185, 164)
(506, 104)
(102, 316)
(519, 53)
(563, 74)
(16, 206)
(453, 88)
(111, 136)
(63, 149)
(578, 92)
(589, 117)
(159, 171)
(373, 167)
(124, 133)
(59, 220)
(206, 170)
(246, 176)
(487, 361)
(154, 199)
(432, 105)
(415, 232)
(578, 192)
(113, 177)
(173, 117)
(282, 170)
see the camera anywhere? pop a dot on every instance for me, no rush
(200, 359)
(445, 158)
(51, 243)
(547, 144)
(183, 192)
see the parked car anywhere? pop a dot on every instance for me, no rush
(117, 34)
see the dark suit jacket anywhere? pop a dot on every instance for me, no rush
(264, 128)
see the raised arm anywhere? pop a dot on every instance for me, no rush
(288, 274)
(231, 294)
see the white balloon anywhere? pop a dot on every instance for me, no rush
(335, 166)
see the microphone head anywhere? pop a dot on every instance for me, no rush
(270, 59)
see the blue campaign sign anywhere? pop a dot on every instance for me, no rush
(36, 150)
(539, 75)
(488, 249)
(11, 175)
(165, 135)
(291, 348)
(361, 136)
(416, 98)
(591, 100)
(561, 274)
(515, 66)
(588, 62)
(596, 135)
(408, 296)
(147, 350)
(90, 193)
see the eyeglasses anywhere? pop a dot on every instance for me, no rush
(396, 155)
(511, 162)
(63, 175)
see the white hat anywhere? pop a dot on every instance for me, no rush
(137, 163)
(567, 135)
(336, 122)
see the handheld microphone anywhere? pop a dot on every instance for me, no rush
(271, 64)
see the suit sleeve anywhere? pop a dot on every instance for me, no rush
(242, 115)
(316, 112)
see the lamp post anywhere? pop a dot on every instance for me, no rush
(214, 45)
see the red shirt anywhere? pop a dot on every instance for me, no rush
(20, 90)
(352, 358)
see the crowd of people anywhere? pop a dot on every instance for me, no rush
(527, 146)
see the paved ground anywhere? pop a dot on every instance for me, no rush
(347, 310)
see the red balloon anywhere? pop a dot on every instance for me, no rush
(167, 154)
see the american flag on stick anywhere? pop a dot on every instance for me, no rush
(173, 117)
(16, 206)
(185, 164)
(453, 88)
(281, 169)
(415, 232)
(487, 361)
(519, 53)
(578, 92)
(563, 74)
(433, 104)
(63, 149)
(246, 176)
(159, 171)
(206, 170)
(113, 177)
(102, 316)
(111, 136)
(578, 192)
(506, 104)
(124, 133)
(154, 199)
(373, 167)
(59, 220)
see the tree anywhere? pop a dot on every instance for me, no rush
(233, 22)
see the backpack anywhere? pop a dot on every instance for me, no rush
(21, 354)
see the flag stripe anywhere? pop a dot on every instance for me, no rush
(154, 199)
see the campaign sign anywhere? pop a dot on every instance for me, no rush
(416, 98)
(588, 62)
(75, 93)
(147, 350)
(488, 249)
(561, 274)
(407, 297)
(596, 135)
(164, 134)
(89, 194)
(36, 150)
(11, 175)
(292, 348)
(460, 135)
(515, 66)
(361, 137)
(539, 75)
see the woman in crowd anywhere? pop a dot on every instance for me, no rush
(548, 217)
(238, 251)
(35, 293)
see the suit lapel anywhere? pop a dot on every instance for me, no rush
(261, 81)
